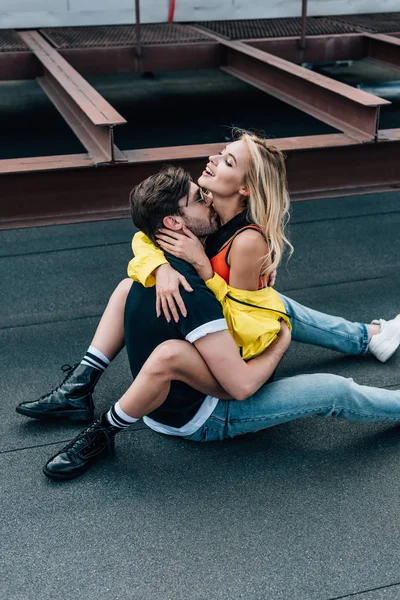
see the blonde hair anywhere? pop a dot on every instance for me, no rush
(268, 204)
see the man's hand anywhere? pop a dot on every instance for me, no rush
(168, 296)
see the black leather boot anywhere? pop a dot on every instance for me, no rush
(91, 444)
(71, 400)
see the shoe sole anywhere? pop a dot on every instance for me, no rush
(388, 353)
(73, 475)
(389, 346)
(66, 415)
(63, 476)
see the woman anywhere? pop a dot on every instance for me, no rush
(248, 185)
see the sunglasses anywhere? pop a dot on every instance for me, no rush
(201, 198)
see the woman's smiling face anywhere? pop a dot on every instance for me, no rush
(225, 172)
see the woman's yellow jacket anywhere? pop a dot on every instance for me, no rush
(253, 317)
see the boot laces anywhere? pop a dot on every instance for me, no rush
(87, 441)
(68, 369)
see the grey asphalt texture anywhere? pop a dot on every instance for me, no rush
(307, 510)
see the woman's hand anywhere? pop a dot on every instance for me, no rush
(188, 247)
(285, 334)
(272, 278)
(168, 296)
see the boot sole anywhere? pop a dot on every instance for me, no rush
(64, 476)
(82, 470)
(387, 348)
(66, 415)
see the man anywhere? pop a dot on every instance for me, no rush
(172, 200)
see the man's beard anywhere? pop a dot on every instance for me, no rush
(202, 228)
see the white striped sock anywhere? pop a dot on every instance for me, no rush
(96, 359)
(118, 418)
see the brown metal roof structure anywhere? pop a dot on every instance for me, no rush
(95, 184)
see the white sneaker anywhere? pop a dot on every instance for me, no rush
(385, 343)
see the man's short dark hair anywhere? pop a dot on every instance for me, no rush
(157, 197)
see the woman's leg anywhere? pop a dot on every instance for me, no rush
(312, 327)
(109, 336)
(381, 338)
(174, 360)
(72, 399)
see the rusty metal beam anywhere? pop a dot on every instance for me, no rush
(201, 152)
(45, 163)
(154, 157)
(383, 49)
(170, 57)
(348, 109)
(205, 55)
(157, 57)
(18, 65)
(88, 114)
(345, 170)
(318, 166)
(320, 48)
(117, 59)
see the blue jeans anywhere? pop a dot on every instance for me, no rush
(312, 327)
(321, 394)
(291, 398)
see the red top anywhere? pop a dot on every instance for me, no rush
(220, 263)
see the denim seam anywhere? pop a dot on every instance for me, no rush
(214, 419)
(312, 411)
(227, 418)
(365, 342)
(214, 429)
(286, 414)
(373, 416)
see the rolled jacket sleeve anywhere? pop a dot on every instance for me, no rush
(253, 317)
(218, 286)
(147, 257)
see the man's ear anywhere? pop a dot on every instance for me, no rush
(172, 222)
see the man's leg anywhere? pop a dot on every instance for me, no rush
(336, 333)
(72, 399)
(280, 401)
(300, 396)
(174, 360)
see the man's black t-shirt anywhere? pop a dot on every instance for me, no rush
(144, 332)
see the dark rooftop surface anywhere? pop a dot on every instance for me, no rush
(303, 511)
